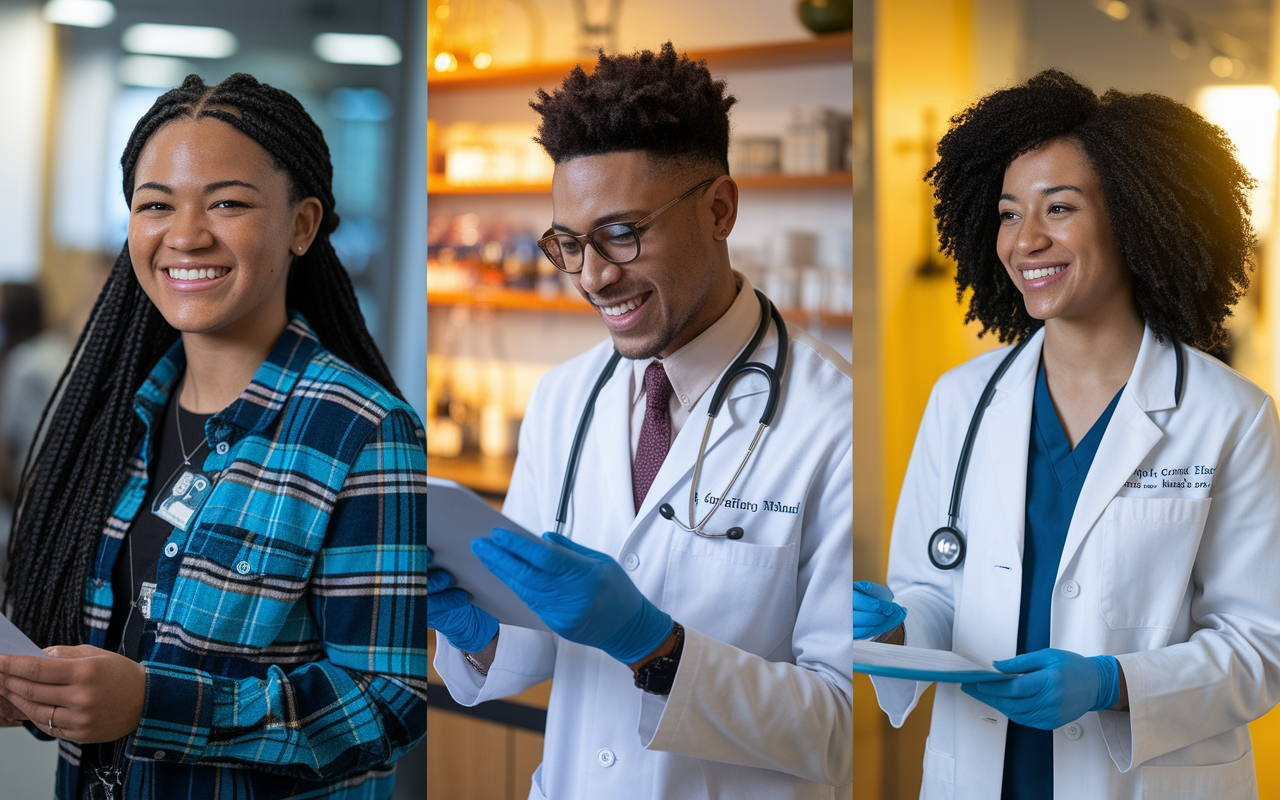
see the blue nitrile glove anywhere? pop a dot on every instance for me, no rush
(580, 593)
(1057, 687)
(874, 611)
(449, 610)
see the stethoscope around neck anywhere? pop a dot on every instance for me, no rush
(737, 369)
(947, 544)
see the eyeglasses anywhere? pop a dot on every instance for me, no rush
(616, 242)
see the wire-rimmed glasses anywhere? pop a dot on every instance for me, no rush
(616, 242)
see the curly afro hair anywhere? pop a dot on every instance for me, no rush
(661, 103)
(1174, 191)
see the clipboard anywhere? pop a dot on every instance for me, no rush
(922, 664)
(455, 516)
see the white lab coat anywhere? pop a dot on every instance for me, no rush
(1170, 563)
(762, 702)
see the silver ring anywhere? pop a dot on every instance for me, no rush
(52, 711)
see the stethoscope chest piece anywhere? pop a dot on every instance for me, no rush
(946, 548)
(735, 532)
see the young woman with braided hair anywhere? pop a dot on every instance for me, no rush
(219, 535)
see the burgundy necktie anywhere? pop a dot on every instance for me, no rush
(655, 433)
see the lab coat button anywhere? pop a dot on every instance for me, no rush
(160, 754)
(1073, 731)
(605, 758)
(631, 561)
(1070, 589)
(170, 549)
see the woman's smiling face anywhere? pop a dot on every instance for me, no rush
(213, 231)
(1055, 237)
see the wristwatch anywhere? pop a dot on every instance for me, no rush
(659, 675)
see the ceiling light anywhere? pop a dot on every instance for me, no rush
(355, 48)
(179, 40)
(1117, 10)
(81, 13)
(157, 72)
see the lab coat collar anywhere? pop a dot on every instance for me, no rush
(1154, 374)
(1130, 436)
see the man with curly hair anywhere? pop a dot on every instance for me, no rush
(684, 665)
(1120, 515)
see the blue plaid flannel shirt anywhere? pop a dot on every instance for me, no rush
(286, 652)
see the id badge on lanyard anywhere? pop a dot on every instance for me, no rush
(182, 497)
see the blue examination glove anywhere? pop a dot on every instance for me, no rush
(449, 610)
(1057, 687)
(874, 611)
(583, 595)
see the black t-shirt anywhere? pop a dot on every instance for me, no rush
(146, 537)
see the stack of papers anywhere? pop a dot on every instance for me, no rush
(921, 664)
(14, 642)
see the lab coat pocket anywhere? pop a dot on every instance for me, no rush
(1149, 547)
(939, 774)
(1234, 781)
(738, 593)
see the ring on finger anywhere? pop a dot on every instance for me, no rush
(51, 713)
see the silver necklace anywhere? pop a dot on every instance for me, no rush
(187, 488)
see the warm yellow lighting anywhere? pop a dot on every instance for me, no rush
(1181, 48)
(1117, 9)
(446, 62)
(442, 12)
(1220, 66)
(482, 60)
(1248, 115)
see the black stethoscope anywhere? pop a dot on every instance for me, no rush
(946, 546)
(739, 367)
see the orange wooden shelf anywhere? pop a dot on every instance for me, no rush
(437, 185)
(519, 300)
(834, 48)
(510, 299)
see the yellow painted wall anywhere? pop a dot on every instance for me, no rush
(924, 72)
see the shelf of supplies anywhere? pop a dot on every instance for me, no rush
(437, 185)
(510, 299)
(519, 300)
(833, 48)
(486, 475)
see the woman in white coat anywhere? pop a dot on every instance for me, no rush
(1120, 507)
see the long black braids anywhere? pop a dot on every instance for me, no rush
(72, 478)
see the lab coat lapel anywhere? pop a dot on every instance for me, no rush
(992, 513)
(602, 494)
(1129, 437)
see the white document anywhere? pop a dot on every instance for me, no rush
(14, 642)
(921, 664)
(455, 516)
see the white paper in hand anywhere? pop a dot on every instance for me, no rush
(455, 516)
(14, 642)
(921, 664)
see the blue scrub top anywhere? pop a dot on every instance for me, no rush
(1055, 475)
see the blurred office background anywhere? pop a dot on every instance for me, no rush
(75, 75)
(915, 64)
(500, 315)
